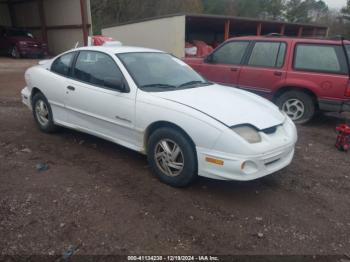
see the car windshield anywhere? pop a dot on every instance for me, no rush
(19, 33)
(160, 72)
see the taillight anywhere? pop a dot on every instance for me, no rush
(347, 91)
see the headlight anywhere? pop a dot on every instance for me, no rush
(249, 133)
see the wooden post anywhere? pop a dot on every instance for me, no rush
(227, 30)
(300, 32)
(259, 29)
(283, 29)
(84, 21)
(42, 21)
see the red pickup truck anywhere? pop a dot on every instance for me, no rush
(302, 76)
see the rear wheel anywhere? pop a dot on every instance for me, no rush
(43, 114)
(172, 157)
(299, 106)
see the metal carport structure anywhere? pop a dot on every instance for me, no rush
(169, 33)
(60, 24)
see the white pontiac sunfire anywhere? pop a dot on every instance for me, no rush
(154, 103)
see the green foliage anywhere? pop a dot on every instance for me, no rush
(109, 12)
(346, 9)
(305, 11)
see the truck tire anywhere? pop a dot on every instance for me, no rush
(298, 105)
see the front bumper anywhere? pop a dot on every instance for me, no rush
(244, 168)
(32, 51)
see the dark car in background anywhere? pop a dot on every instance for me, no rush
(18, 43)
(302, 76)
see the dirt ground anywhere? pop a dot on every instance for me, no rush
(101, 198)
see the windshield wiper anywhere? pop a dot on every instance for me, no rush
(159, 85)
(191, 83)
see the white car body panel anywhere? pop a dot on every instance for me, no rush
(222, 103)
(205, 114)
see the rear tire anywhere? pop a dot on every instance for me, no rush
(172, 157)
(43, 114)
(299, 106)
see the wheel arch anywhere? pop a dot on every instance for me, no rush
(285, 89)
(160, 124)
(35, 91)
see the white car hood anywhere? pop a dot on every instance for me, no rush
(228, 105)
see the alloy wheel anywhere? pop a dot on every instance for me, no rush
(294, 108)
(42, 112)
(169, 157)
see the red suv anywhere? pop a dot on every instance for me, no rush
(300, 75)
(17, 42)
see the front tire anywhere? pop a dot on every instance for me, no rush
(299, 106)
(15, 53)
(43, 114)
(172, 157)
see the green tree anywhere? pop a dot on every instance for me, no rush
(108, 12)
(346, 9)
(252, 8)
(305, 11)
(296, 11)
(275, 9)
(220, 7)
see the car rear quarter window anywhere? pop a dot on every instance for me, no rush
(62, 65)
(231, 53)
(320, 58)
(96, 68)
(268, 54)
(348, 50)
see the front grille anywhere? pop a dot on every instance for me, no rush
(270, 130)
(272, 162)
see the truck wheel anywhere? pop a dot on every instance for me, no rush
(299, 106)
(43, 114)
(15, 53)
(172, 157)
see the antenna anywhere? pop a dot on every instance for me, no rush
(76, 45)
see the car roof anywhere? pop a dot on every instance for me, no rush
(290, 39)
(119, 49)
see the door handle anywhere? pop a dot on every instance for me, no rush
(234, 69)
(72, 88)
(278, 73)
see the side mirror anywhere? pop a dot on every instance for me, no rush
(209, 59)
(114, 83)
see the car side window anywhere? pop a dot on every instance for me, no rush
(268, 54)
(62, 65)
(230, 53)
(98, 69)
(308, 58)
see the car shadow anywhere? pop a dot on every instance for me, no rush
(328, 120)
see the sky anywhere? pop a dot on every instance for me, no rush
(336, 3)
